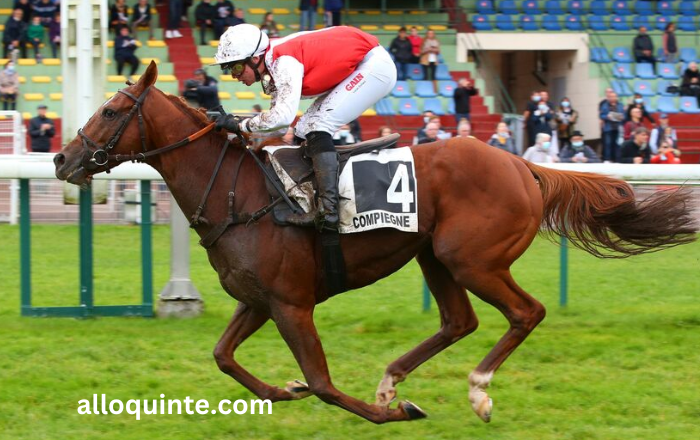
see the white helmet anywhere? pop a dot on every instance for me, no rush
(240, 42)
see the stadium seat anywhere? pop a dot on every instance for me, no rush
(619, 23)
(639, 21)
(504, 23)
(622, 55)
(623, 71)
(425, 89)
(687, 8)
(662, 21)
(644, 88)
(442, 73)
(643, 8)
(600, 55)
(573, 23)
(666, 104)
(665, 8)
(689, 104)
(485, 7)
(649, 104)
(385, 107)
(621, 88)
(401, 90)
(645, 71)
(666, 70)
(447, 88)
(528, 23)
(576, 7)
(596, 23)
(551, 23)
(415, 72)
(531, 7)
(620, 7)
(434, 105)
(599, 8)
(451, 107)
(508, 7)
(553, 7)
(688, 54)
(408, 107)
(687, 24)
(662, 88)
(481, 23)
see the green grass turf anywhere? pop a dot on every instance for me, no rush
(621, 362)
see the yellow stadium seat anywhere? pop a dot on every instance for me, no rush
(239, 111)
(110, 43)
(154, 11)
(207, 60)
(214, 43)
(52, 61)
(281, 27)
(437, 27)
(59, 78)
(369, 112)
(33, 96)
(22, 79)
(52, 115)
(299, 112)
(320, 26)
(245, 95)
(41, 79)
(391, 27)
(116, 78)
(110, 94)
(3, 61)
(166, 78)
(6, 11)
(395, 12)
(294, 26)
(136, 77)
(148, 60)
(280, 11)
(224, 95)
(56, 96)
(156, 43)
(257, 11)
(226, 78)
(353, 12)
(27, 115)
(263, 95)
(415, 12)
(108, 61)
(26, 62)
(369, 27)
(2, 27)
(373, 12)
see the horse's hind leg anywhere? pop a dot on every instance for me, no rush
(457, 320)
(244, 323)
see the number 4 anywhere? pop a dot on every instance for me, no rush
(404, 196)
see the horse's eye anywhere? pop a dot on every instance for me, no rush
(109, 113)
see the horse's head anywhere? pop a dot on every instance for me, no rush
(114, 130)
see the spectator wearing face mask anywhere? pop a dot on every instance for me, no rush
(343, 136)
(634, 123)
(578, 152)
(638, 102)
(540, 152)
(566, 119)
(530, 108)
(541, 118)
(636, 150)
(9, 86)
(502, 140)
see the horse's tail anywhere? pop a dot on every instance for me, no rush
(598, 213)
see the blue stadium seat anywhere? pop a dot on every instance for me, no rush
(639, 21)
(434, 105)
(619, 23)
(415, 72)
(623, 71)
(553, 7)
(666, 104)
(531, 7)
(643, 8)
(666, 70)
(425, 89)
(481, 23)
(688, 54)
(504, 23)
(687, 8)
(508, 7)
(442, 72)
(447, 88)
(600, 55)
(485, 7)
(644, 88)
(401, 90)
(648, 104)
(598, 8)
(408, 107)
(687, 24)
(620, 7)
(689, 104)
(451, 107)
(665, 8)
(662, 21)
(596, 23)
(576, 7)
(551, 23)
(528, 23)
(621, 88)
(645, 71)
(622, 55)
(662, 88)
(385, 107)
(573, 23)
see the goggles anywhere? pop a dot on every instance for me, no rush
(235, 67)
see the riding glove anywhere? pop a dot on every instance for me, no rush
(230, 123)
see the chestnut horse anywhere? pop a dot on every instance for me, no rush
(479, 210)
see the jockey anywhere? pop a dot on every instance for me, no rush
(343, 68)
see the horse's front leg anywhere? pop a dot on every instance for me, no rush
(244, 323)
(296, 325)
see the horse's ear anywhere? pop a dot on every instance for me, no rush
(149, 78)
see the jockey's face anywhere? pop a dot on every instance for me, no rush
(247, 75)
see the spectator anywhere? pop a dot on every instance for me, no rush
(343, 136)
(662, 132)
(566, 119)
(41, 130)
(257, 108)
(578, 152)
(332, 8)
(55, 35)
(690, 85)
(462, 97)
(124, 48)
(356, 130)
(205, 14)
(224, 17)
(644, 48)
(666, 155)
(401, 50)
(15, 35)
(141, 17)
(464, 129)
(638, 102)
(541, 118)
(502, 139)
(429, 57)
(172, 29)
(636, 150)
(203, 89)
(608, 91)
(530, 108)
(269, 26)
(431, 133)
(35, 35)
(416, 44)
(427, 115)
(540, 152)
(118, 16)
(309, 9)
(9, 86)
(634, 123)
(45, 10)
(27, 9)
(238, 17)
(670, 45)
(384, 131)
(611, 115)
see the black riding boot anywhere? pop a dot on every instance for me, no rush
(319, 146)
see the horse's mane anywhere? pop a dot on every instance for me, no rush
(198, 116)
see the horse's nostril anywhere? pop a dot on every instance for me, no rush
(59, 159)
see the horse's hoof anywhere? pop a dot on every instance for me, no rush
(412, 410)
(484, 408)
(298, 389)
